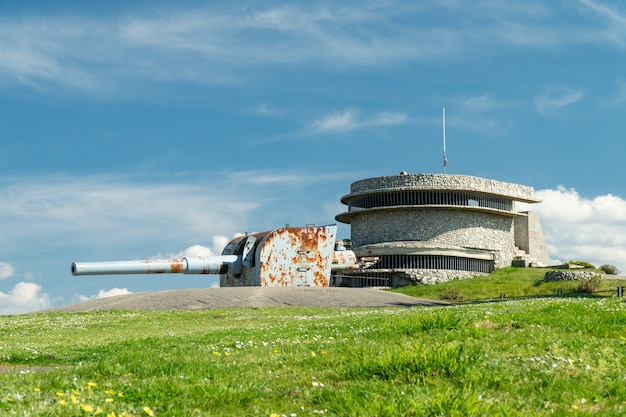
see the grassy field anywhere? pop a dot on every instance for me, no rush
(510, 282)
(563, 356)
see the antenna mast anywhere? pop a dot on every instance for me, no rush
(445, 158)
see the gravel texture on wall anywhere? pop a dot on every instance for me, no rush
(436, 276)
(446, 182)
(568, 275)
(440, 228)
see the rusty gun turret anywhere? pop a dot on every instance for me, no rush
(289, 256)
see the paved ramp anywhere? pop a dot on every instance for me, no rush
(212, 298)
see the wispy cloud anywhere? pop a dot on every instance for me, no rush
(265, 109)
(101, 208)
(349, 120)
(6, 270)
(557, 98)
(615, 32)
(481, 103)
(477, 113)
(229, 44)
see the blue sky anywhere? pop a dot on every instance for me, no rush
(135, 130)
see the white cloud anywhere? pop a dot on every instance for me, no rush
(79, 298)
(267, 178)
(112, 292)
(104, 294)
(349, 120)
(276, 178)
(578, 228)
(557, 98)
(615, 32)
(337, 122)
(6, 270)
(101, 209)
(196, 250)
(226, 44)
(219, 242)
(481, 103)
(23, 298)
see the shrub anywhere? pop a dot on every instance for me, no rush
(581, 263)
(589, 285)
(452, 294)
(609, 269)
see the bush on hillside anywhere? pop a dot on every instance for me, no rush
(452, 294)
(589, 285)
(609, 269)
(581, 263)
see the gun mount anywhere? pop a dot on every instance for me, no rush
(289, 256)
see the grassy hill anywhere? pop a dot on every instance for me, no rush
(561, 356)
(508, 282)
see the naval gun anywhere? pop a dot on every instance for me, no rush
(289, 256)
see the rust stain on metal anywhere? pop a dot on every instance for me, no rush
(176, 266)
(290, 256)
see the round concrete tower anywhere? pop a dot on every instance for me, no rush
(426, 228)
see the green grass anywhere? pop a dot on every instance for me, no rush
(519, 358)
(510, 282)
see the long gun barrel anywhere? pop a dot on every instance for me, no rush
(289, 256)
(224, 264)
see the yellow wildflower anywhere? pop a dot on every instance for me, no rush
(274, 415)
(63, 403)
(86, 408)
(60, 394)
(73, 398)
(111, 414)
(98, 411)
(108, 400)
(10, 399)
(216, 353)
(37, 390)
(109, 392)
(148, 411)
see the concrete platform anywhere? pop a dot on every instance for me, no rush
(255, 297)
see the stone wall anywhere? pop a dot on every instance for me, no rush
(568, 275)
(454, 228)
(430, 276)
(446, 182)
